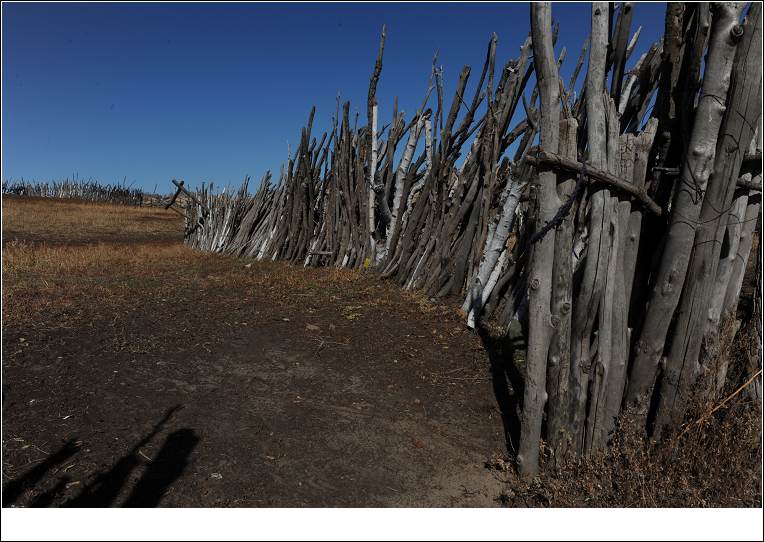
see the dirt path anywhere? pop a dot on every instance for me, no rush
(193, 380)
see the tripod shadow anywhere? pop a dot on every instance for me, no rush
(169, 464)
(507, 385)
(17, 487)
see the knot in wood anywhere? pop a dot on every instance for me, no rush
(535, 283)
(668, 285)
(555, 320)
(737, 32)
(565, 307)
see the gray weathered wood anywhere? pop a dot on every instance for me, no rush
(542, 258)
(595, 174)
(688, 199)
(558, 364)
(586, 303)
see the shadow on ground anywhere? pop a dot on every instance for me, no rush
(507, 384)
(105, 488)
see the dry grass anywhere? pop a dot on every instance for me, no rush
(69, 254)
(52, 242)
(23, 260)
(713, 460)
(51, 219)
(715, 464)
(38, 277)
(57, 253)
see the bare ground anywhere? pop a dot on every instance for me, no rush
(138, 372)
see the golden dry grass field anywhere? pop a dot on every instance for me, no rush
(71, 222)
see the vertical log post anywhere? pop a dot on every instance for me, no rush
(542, 258)
(371, 108)
(587, 301)
(699, 310)
(696, 169)
(558, 365)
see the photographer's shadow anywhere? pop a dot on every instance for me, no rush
(160, 474)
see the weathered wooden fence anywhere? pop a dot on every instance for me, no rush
(76, 189)
(612, 223)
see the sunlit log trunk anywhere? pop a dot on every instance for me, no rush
(669, 279)
(495, 246)
(373, 187)
(542, 257)
(698, 315)
(688, 199)
(606, 361)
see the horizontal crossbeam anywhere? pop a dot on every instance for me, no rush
(550, 159)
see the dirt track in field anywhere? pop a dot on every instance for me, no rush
(137, 372)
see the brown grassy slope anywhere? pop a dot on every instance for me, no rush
(57, 221)
(67, 248)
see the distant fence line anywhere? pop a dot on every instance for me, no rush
(77, 189)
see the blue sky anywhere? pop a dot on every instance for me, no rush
(211, 92)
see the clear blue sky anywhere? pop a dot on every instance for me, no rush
(211, 92)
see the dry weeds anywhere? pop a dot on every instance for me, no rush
(46, 218)
(40, 261)
(713, 460)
